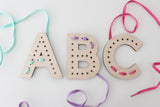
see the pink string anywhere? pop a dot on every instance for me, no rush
(122, 73)
(124, 14)
(145, 8)
(113, 68)
(154, 66)
(132, 72)
(150, 88)
(147, 89)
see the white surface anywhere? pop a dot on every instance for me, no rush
(74, 16)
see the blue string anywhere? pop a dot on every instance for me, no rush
(13, 23)
(1, 53)
(14, 38)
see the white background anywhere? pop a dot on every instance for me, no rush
(78, 16)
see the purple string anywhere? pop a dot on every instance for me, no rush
(83, 104)
(92, 45)
(25, 102)
(76, 91)
(75, 104)
(74, 37)
(84, 38)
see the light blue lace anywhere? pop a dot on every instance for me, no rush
(13, 23)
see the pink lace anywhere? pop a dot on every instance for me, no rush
(123, 15)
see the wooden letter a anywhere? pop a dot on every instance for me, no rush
(41, 55)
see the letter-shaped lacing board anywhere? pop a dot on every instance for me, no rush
(41, 55)
(109, 61)
(76, 55)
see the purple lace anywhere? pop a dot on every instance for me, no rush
(25, 102)
(83, 104)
